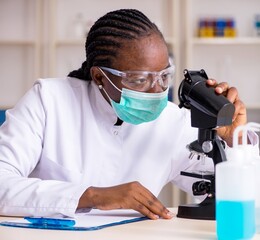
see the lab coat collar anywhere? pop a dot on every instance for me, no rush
(102, 107)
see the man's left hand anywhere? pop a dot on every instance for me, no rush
(240, 115)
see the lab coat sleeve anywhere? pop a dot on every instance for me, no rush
(21, 141)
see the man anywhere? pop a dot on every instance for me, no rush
(105, 137)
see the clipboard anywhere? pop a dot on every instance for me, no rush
(94, 220)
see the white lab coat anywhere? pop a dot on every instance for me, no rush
(60, 139)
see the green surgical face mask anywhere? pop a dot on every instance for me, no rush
(138, 107)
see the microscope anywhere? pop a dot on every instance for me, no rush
(209, 110)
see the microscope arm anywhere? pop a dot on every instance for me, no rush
(218, 153)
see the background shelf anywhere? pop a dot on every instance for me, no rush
(226, 41)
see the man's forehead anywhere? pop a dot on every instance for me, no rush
(145, 55)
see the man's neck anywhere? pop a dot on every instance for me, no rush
(118, 122)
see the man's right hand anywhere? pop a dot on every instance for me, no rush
(126, 196)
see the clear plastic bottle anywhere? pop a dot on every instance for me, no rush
(235, 191)
(255, 160)
(256, 164)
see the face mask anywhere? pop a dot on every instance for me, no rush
(139, 107)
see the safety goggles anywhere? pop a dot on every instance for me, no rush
(143, 80)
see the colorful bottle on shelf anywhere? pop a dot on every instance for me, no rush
(201, 28)
(217, 27)
(209, 28)
(230, 28)
(235, 192)
(206, 28)
(257, 25)
(220, 26)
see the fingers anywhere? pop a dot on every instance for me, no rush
(145, 211)
(240, 110)
(239, 117)
(220, 88)
(152, 207)
(231, 94)
(147, 204)
(223, 88)
(166, 214)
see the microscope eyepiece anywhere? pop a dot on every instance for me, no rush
(208, 109)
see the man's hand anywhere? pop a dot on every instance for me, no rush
(126, 196)
(240, 116)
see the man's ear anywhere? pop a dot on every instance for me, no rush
(96, 75)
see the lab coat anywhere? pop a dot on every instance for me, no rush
(61, 138)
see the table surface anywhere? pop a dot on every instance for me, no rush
(176, 228)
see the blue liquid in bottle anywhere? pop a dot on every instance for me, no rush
(235, 219)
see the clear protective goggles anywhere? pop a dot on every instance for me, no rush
(143, 80)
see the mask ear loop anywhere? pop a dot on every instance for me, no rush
(109, 81)
(102, 88)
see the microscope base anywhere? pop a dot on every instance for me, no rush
(204, 210)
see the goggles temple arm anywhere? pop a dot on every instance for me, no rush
(110, 80)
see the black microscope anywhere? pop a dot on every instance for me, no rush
(209, 110)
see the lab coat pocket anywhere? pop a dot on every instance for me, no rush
(47, 169)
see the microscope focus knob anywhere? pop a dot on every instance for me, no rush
(207, 146)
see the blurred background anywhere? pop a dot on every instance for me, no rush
(45, 38)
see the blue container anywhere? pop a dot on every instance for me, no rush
(235, 219)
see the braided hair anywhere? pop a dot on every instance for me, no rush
(105, 38)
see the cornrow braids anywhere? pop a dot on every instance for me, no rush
(105, 37)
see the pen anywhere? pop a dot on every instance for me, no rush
(59, 222)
